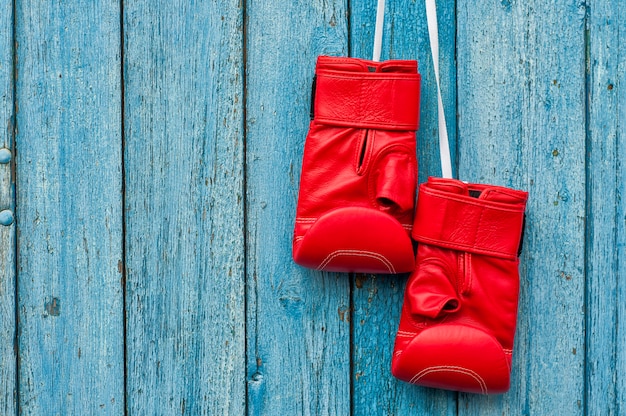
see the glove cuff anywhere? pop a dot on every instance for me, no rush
(480, 219)
(348, 94)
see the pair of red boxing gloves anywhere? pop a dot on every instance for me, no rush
(356, 213)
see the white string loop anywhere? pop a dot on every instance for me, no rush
(433, 34)
(378, 31)
(444, 146)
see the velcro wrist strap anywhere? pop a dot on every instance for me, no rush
(464, 223)
(387, 101)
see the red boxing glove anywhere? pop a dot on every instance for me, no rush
(460, 305)
(359, 170)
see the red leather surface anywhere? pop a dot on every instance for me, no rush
(448, 216)
(357, 186)
(465, 366)
(458, 320)
(385, 100)
(383, 245)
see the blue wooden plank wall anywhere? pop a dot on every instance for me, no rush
(7, 207)
(68, 166)
(150, 155)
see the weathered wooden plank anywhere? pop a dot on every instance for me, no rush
(298, 320)
(521, 77)
(377, 301)
(605, 220)
(70, 214)
(183, 78)
(620, 223)
(8, 390)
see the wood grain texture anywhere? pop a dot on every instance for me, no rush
(377, 301)
(521, 77)
(298, 321)
(68, 144)
(183, 79)
(620, 224)
(157, 147)
(605, 219)
(8, 388)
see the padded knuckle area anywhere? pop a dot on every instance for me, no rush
(455, 357)
(356, 238)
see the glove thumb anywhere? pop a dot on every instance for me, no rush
(430, 292)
